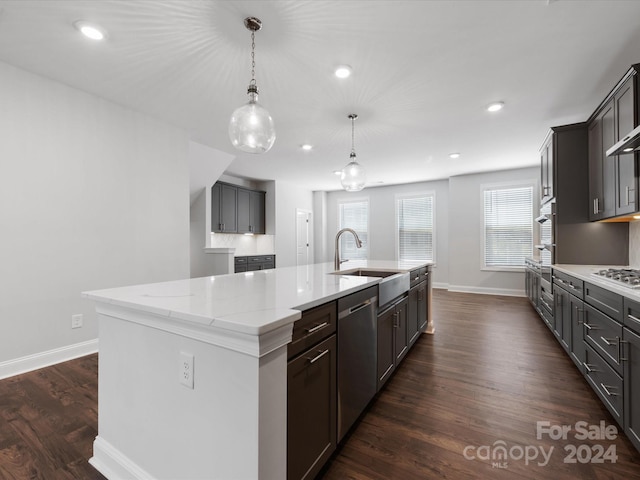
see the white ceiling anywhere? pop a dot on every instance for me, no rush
(424, 72)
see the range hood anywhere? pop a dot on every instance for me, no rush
(628, 144)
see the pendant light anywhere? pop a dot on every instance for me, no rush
(352, 176)
(251, 128)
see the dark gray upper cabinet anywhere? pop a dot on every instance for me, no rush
(237, 210)
(601, 169)
(251, 211)
(224, 208)
(577, 240)
(546, 170)
(626, 178)
(613, 181)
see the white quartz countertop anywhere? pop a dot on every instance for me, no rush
(585, 272)
(251, 302)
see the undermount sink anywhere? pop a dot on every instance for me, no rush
(366, 273)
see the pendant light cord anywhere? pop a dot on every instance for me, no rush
(353, 137)
(253, 58)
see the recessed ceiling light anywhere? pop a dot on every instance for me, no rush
(307, 147)
(495, 107)
(337, 172)
(343, 71)
(454, 155)
(90, 30)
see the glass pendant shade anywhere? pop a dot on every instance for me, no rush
(353, 177)
(251, 128)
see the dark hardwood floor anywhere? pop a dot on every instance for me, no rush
(491, 371)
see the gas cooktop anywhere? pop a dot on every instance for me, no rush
(626, 277)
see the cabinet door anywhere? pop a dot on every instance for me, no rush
(257, 212)
(562, 317)
(386, 357)
(602, 181)
(577, 351)
(608, 206)
(423, 306)
(311, 410)
(216, 196)
(546, 170)
(228, 208)
(413, 322)
(625, 171)
(632, 386)
(244, 211)
(401, 342)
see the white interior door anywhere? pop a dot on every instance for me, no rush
(303, 237)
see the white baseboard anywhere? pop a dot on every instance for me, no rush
(29, 363)
(440, 285)
(113, 464)
(509, 292)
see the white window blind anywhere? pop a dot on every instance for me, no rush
(414, 217)
(355, 215)
(508, 226)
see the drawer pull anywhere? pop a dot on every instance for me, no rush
(635, 319)
(590, 368)
(606, 390)
(417, 278)
(317, 327)
(610, 342)
(318, 357)
(590, 327)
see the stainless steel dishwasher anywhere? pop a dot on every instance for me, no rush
(357, 355)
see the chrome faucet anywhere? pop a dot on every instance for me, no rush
(336, 259)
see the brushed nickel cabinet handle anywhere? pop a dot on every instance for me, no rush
(318, 357)
(317, 327)
(606, 390)
(610, 342)
(589, 368)
(631, 317)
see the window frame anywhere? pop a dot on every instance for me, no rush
(345, 200)
(530, 183)
(403, 196)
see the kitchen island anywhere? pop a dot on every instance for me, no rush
(193, 373)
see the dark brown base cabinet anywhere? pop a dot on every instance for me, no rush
(392, 339)
(313, 368)
(311, 392)
(600, 330)
(311, 418)
(252, 263)
(631, 360)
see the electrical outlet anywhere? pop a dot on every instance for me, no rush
(76, 320)
(186, 369)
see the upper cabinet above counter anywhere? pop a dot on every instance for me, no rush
(237, 209)
(613, 180)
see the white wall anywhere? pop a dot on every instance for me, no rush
(465, 224)
(288, 198)
(92, 195)
(382, 222)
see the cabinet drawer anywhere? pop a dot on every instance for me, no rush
(604, 300)
(240, 260)
(418, 275)
(606, 383)
(603, 334)
(569, 283)
(315, 324)
(631, 318)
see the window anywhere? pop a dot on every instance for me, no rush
(414, 220)
(354, 214)
(508, 226)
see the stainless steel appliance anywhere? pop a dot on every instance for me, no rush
(357, 355)
(546, 221)
(627, 277)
